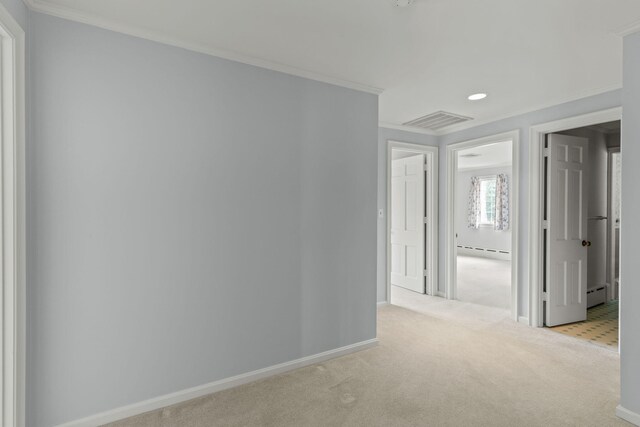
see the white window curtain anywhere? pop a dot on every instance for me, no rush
(502, 202)
(473, 213)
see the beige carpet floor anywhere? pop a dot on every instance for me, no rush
(427, 371)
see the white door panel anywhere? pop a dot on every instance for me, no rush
(407, 223)
(567, 230)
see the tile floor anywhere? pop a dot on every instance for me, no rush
(601, 326)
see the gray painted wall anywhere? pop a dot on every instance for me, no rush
(630, 290)
(483, 237)
(522, 123)
(18, 10)
(385, 135)
(191, 219)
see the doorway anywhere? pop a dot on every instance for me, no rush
(412, 220)
(572, 268)
(483, 231)
(581, 232)
(482, 221)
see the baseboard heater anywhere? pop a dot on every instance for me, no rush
(484, 252)
(596, 295)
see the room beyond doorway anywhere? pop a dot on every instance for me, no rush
(537, 220)
(484, 281)
(582, 232)
(483, 231)
(482, 222)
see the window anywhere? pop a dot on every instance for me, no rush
(488, 201)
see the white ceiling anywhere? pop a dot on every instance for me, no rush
(427, 57)
(486, 156)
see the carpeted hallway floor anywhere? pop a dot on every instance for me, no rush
(427, 371)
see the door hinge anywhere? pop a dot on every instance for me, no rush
(545, 225)
(426, 273)
(426, 220)
(547, 151)
(425, 167)
(545, 296)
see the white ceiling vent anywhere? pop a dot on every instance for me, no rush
(438, 120)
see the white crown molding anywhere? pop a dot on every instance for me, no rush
(476, 123)
(628, 29)
(132, 30)
(214, 387)
(406, 128)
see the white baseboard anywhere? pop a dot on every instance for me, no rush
(382, 303)
(523, 320)
(484, 252)
(203, 390)
(627, 415)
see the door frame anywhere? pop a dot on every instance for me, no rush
(537, 136)
(611, 227)
(450, 244)
(12, 220)
(431, 154)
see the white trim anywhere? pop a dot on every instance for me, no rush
(431, 154)
(628, 415)
(405, 128)
(628, 29)
(539, 107)
(450, 239)
(382, 303)
(214, 387)
(536, 146)
(157, 36)
(611, 225)
(524, 320)
(12, 169)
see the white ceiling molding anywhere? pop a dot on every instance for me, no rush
(85, 18)
(628, 29)
(412, 129)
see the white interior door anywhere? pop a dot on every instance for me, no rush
(407, 223)
(567, 243)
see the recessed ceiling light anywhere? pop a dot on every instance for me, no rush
(477, 96)
(402, 3)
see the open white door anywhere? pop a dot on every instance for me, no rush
(407, 223)
(566, 249)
